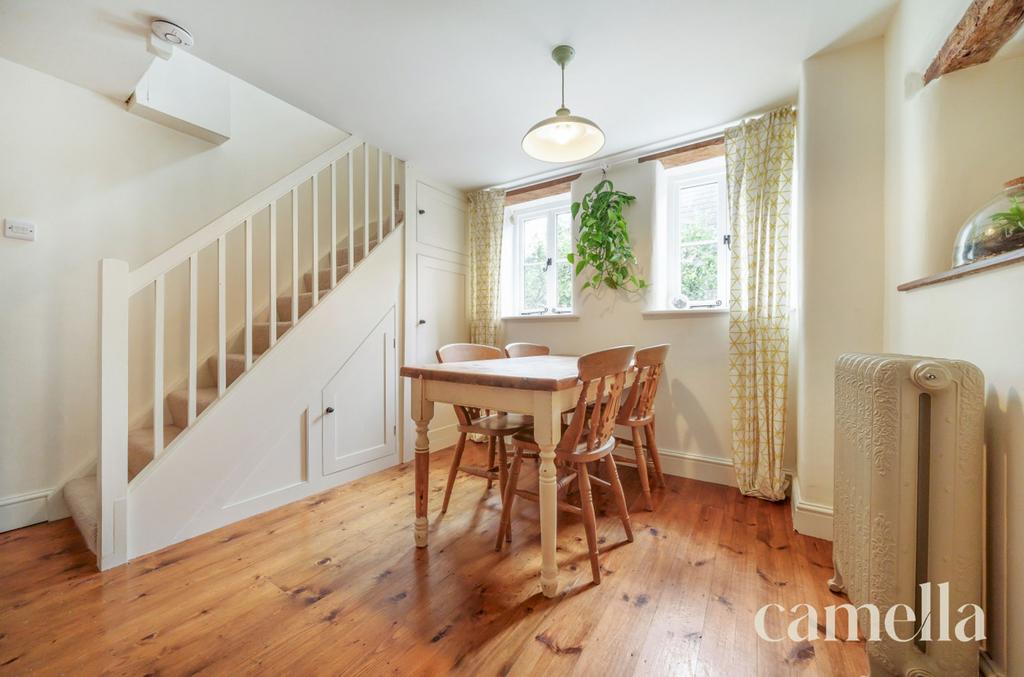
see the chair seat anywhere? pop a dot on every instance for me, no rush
(524, 440)
(498, 424)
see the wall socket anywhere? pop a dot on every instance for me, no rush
(20, 229)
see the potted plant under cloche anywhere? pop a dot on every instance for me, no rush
(996, 228)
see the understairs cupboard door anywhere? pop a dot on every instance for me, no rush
(360, 403)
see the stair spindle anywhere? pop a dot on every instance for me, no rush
(158, 365)
(334, 226)
(391, 193)
(316, 239)
(295, 256)
(366, 200)
(272, 329)
(248, 293)
(222, 331)
(380, 195)
(351, 217)
(193, 333)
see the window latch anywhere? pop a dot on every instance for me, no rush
(547, 265)
(727, 241)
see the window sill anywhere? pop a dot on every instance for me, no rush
(684, 312)
(536, 318)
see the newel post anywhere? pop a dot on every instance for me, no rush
(112, 471)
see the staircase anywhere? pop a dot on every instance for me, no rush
(97, 502)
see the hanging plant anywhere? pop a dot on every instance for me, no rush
(603, 243)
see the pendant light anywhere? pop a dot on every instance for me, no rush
(563, 137)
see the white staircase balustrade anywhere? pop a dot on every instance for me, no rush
(207, 378)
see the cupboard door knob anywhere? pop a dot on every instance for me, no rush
(422, 211)
(329, 410)
(422, 322)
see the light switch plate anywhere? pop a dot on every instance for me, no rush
(19, 229)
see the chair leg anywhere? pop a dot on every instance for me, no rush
(503, 480)
(620, 497)
(460, 446)
(505, 524)
(641, 468)
(652, 447)
(589, 519)
(490, 458)
(502, 466)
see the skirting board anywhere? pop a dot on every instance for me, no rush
(24, 509)
(687, 464)
(810, 519)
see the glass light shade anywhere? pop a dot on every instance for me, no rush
(996, 228)
(563, 138)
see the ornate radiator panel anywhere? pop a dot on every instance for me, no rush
(908, 499)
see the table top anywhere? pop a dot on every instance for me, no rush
(541, 372)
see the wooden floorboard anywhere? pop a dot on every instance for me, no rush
(334, 585)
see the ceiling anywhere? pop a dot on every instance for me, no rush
(453, 85)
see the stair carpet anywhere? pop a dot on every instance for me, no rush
(82, 494)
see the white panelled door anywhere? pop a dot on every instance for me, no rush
(360, 403)
(441, 319)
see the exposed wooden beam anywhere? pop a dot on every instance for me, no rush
(986, 26)
(538, 190)
(684, 155)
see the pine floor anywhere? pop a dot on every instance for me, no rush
(333, 585)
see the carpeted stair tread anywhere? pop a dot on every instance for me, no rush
(140, 447)
(261, 335)
(324, 278)
(284, 304)
(234, 364)
(83, 500)
(177, 402)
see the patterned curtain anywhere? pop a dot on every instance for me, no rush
(486, 213)
(759, 173)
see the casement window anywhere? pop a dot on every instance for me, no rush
(537, 279)
(697, 264)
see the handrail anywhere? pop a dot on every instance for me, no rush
(148, 272)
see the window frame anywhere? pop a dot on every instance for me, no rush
(550, 207)
(701, 173)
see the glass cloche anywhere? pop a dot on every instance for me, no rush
(996, 228)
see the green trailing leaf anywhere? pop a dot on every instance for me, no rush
(603, 242)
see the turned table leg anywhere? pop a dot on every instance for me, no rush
(422, 412)
(547, 427)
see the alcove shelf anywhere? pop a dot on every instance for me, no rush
(1000, 261)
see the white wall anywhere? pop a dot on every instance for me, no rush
(693, 424)
(949, 147)
(100, 182)
(841, 148)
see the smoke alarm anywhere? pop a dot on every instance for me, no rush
(171, 33)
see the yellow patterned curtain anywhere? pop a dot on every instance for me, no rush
(486, 213)
(759, 173)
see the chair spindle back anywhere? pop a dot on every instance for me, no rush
(526, 350)
(639, 404)
(605, 373)
(467, 352)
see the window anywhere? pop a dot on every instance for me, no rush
(698, 236)
(538, 279)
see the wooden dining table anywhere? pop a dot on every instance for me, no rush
(541, 386)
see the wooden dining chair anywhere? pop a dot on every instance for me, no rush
(495, 427)
(526, 350)
(637, 414)
(588, 438)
